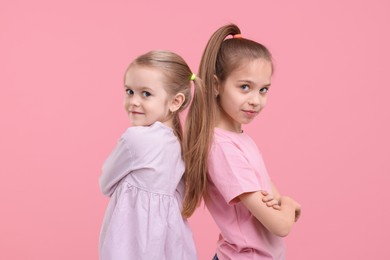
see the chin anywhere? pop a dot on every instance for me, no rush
(136, 124)
(245, 122)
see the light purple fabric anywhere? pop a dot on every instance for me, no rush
(236, 167)
(143, 218)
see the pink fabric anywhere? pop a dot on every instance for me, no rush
(143, 218)
(236, 167)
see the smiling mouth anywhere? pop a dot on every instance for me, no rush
(250, 112)
(136, 113)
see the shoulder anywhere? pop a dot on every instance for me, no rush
(233, 149)
(146, 132)
(144, 136)
(223, 139)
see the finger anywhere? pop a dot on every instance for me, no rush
(268, 197)
(277, 207)
(272, 203)
(297, 215)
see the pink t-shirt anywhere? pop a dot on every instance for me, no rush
(236, 167)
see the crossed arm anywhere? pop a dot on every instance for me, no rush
(277, 213)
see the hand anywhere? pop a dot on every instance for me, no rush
(297, 212)
(270, 201)
(295, 205)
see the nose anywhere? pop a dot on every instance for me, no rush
(130, 102)
(133, 100)
(256, 100)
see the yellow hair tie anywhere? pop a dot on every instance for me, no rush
(193, 76)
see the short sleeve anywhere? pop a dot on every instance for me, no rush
(231, 172)
(116, 167)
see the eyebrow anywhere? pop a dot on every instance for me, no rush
(141, 87)
(251, 82)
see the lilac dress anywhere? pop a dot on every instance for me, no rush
(143, 218)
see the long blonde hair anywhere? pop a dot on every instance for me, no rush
(220, 57)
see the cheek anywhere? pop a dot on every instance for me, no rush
(226, 97)
(264, 101)
(229, 106)
(125, 103)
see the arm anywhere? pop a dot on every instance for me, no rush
(225, 162)
(117, 166)
(270, 200)
(278, 222)
(275, 191)
(277, 196)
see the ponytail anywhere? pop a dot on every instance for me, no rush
(200, 122)
(195, 150)
(209, 65)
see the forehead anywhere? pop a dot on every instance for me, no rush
(255, 70)
(143, 76)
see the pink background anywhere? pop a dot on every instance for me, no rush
(324, 134)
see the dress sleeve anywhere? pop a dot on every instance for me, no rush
(231, 172)
(116, 167)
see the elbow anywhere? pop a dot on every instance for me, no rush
(106, 191)
(283, 230)
(282, 233)
(107, 181)
(105, 188)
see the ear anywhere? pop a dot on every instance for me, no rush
(177, 102)
(216, 86)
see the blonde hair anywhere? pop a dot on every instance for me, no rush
(220, 57)
(178, 77)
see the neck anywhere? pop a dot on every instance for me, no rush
(225, 122)
(168, 122)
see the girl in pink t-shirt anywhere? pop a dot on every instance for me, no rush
(224, 165)
(142, 176)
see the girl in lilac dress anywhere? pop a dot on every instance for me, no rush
(143, 174)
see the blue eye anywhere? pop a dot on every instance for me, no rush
(264, 90)
(129, 91)
(146, 94)
(244, 87)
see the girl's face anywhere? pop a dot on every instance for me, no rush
(146, 100)
(243, 94)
